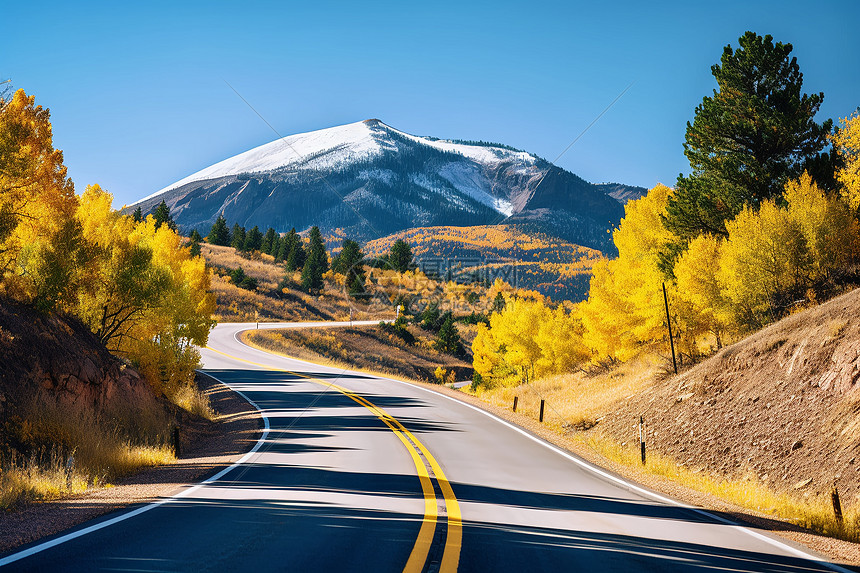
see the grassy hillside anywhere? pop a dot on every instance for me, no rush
(780, 406)
(370, 348)
(533, 261)
(278, 295)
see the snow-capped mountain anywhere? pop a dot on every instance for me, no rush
(367, 180)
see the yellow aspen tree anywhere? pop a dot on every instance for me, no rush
(846, 141)
(828, 226)
(624, 313)
(698, 288)
(764, 265)
(37, 199)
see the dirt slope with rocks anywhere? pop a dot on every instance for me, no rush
(782, 405)
(52, 359)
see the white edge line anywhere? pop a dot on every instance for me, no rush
(81, 532)
(598, 471)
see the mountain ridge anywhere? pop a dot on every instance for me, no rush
(371, 180)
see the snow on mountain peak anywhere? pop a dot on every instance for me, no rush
(333, 146)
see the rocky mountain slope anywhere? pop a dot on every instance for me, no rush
(368, 180)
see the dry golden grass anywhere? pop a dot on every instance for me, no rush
(268, 303)
(190, 398)
(261, 266)
(367, 349)
(814, 513)
(577, 400)
(73, 450)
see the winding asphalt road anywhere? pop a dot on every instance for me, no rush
(359, 473)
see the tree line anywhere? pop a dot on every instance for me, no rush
(310, 257)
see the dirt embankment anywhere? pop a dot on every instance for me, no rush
(63, 396)
(56, 361)
(782, 405)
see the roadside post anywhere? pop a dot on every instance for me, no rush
(837, 505)
(642, 438)
(176, 449)
(515, 403)
(541, 410)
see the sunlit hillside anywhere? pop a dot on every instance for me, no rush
(534, 261)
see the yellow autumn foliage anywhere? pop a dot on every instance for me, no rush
(846, 141)
(625, 313)
(774, 256)
(527, 340)
(134, 284)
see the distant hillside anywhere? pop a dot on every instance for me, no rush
(782, 405)
(530, 260)
(623, 193)
(368, 180)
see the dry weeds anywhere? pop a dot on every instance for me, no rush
(367, 348)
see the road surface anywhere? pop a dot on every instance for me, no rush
(360, 473)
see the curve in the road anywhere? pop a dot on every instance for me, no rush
(335, 488)
(421, 457)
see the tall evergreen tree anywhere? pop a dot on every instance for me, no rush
(747, 141)
(400, 256)
(238, 240)
(270, 240)
(316, 262)
(448, 338)
(350, 264)
(194, 243)
(162, 216)
(219, 234)
(138, 215)
(294, 256)
(254, 239)
(277, 248)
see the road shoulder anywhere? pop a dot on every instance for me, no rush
(205, 451)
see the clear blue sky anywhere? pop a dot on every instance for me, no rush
(138, 98)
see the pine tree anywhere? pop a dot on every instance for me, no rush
(162, 216)
(291, 248)
(498, 303)
(238, 234)
(745, 142)
(448, 338)
(195, 236)
(270, 240)
(138, 215)
(400, 256)
(219, 234)
(316, 262)
(278, 249)
(254, 239)
(350, 264)
(194, 243)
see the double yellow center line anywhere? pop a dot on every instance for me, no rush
(421, 549)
